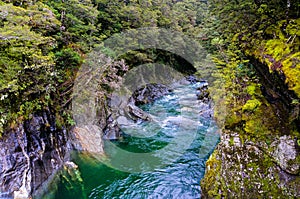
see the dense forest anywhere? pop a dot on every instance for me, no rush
(255, 39)
(43, 43)
(254, 45)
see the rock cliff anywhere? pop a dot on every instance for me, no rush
(30, 153)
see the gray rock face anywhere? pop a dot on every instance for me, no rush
(112, 130)
(285, 154)
(30, 154)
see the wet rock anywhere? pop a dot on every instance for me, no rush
(144, 95)
(203, 84)
(192, 79)
(130, 111)
(206, 109)
(122, 120)
(136, 113)
(149, 93)
(72, 170)
(29, 154)
(183, 81)
(203, 95)
(202, 91)
(112, 131)
(70, 165)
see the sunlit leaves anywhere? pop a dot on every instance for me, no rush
(26, 60)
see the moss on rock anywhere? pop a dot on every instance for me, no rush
(245, 170)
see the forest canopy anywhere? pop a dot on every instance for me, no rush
(43, 43)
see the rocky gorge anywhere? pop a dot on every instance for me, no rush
(50, 53)
(35, 152)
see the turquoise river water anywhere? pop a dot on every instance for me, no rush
(177, 176)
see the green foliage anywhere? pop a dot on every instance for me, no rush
(67, 61)
(253, 89)
(68, 119)
(43, 44)
(240, 105)
(67, 58)
(291, 68)
(251, 105)
(78, 22)
(26, 60)
(268, 31)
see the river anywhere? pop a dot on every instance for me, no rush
(178, 175)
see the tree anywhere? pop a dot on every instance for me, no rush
(26, 61)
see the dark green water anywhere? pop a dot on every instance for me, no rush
(180, 170)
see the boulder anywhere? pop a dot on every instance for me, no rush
(202, 91)
(237, 164)
(88, 139)
(136, 113)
